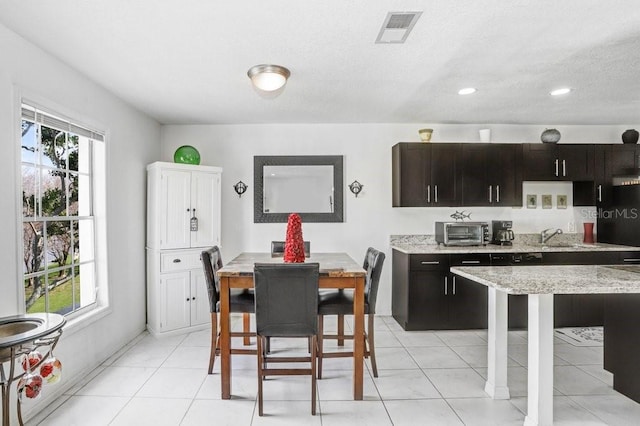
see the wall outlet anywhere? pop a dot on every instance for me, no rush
(571, 227)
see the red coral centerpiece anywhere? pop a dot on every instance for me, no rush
(294, 243)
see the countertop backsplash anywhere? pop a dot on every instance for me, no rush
(412, 239)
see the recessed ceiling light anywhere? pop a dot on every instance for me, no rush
(467, 91)
(558, 92)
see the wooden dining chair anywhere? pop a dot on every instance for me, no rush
(240, 301)
(286, 307)
(340, 303)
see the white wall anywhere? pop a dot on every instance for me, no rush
(369, 219)
(132, 143)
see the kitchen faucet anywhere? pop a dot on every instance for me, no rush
(547, 234)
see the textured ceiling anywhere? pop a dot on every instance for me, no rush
(186, 61)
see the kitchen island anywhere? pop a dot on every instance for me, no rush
(540, 283)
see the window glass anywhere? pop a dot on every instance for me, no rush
(58, 229)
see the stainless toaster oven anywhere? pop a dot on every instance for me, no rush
(462, 233)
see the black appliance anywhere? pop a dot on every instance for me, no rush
(619, 223)
(501, 232)
(515, 259)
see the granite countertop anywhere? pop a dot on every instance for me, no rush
(331, 264)
(426, 244)
(516, 248)
(560, 279)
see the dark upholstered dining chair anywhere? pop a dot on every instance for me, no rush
(277, 248)
(241, 301)
(286, 306)
(340, 302)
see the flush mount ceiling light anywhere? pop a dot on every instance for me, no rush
(558, 92)
(268, 77)
(467, 91)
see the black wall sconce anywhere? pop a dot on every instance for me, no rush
(240, 188)
(356, 187)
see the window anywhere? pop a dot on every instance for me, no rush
(58, 213)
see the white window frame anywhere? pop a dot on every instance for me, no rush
(100, 306)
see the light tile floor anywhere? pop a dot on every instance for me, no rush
(425, 378)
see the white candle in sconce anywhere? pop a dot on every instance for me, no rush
(485, 135)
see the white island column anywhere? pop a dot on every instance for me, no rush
(540, 364)
(498, 323)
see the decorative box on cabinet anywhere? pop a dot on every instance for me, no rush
(183, 218)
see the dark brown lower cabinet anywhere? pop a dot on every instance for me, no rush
(579, 310)
(622, 342)
(426, 296)
(418, 301)
(467, 304)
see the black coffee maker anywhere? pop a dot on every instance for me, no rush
(501, 232)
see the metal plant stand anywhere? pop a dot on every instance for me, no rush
(20, 335)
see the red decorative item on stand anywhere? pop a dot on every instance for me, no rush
(294, 243)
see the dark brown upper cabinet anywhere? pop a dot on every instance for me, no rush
(622, 159)
(477, 174)
(427, 175)
(571, 162)
(612, 160)
(492, 174)
(609, 160)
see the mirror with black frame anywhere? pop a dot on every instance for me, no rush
(310, 185)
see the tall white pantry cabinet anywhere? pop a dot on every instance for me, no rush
(183, 218)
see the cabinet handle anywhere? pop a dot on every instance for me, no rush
(564, 168)
(435, 193)
(428, 193)
(454, 285)
(177, 260)
(631, 260)
(556, 167)
(599, 193)
(187, 299)
(497, 193)
(430, 262)
(445, 285)
(193, 298)
(490, 191)
(470, 262)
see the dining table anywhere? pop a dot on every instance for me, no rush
(337, 271)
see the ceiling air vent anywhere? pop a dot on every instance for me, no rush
(397, 26)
